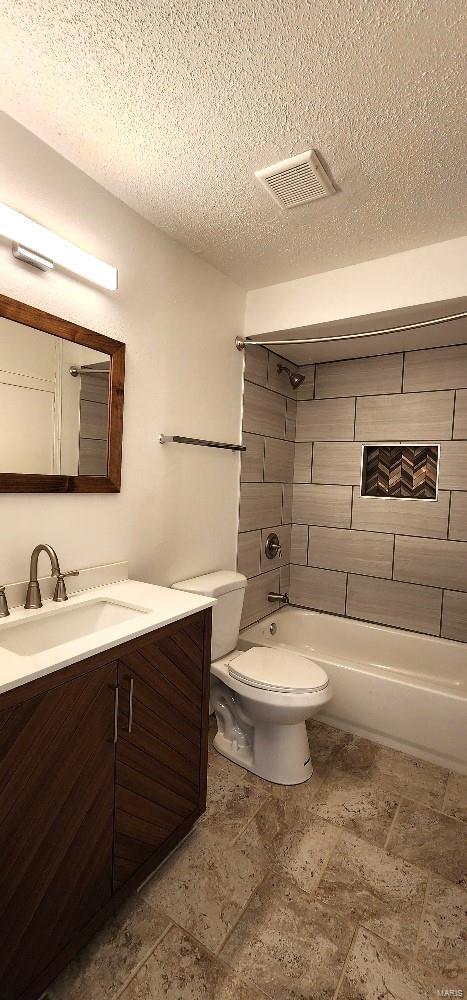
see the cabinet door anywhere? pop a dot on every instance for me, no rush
(57, 759)
(160, 769)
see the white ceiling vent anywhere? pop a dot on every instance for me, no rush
(297, 180)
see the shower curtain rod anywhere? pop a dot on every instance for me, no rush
(76, 370)
(242, 342)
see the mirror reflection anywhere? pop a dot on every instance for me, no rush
(54, 404)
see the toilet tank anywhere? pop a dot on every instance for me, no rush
(229, 589)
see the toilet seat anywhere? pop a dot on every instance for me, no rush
(267, 669)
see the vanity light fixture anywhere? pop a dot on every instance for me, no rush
(40, 247)
(29, 257)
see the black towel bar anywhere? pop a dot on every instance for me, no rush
(178, 439)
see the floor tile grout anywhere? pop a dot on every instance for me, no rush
(242, 913)
(215, 955)
(143, 961)
(249, 822)
(200, 944)
(244, 978)
(422, 914)
(331, 855)
(406, 793)
(341, 977)
(439, 812)
(392, 824)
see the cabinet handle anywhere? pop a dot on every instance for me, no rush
(130, 706)
(116, 715)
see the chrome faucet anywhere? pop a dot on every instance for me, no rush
(273, 597)
(4, 610)
(273, 546)
(33, 596)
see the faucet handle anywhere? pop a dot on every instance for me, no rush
(60, 593)
(273, 547)
(4, 609)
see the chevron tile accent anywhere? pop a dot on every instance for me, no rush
(406, 471)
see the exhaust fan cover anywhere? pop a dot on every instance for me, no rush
(296, 181)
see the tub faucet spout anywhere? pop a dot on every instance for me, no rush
(273, 597)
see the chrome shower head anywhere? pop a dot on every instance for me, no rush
(295, 378)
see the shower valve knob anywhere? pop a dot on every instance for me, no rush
(273, 546)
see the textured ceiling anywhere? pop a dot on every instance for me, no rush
(172, 106)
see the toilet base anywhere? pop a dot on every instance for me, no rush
(279, 754)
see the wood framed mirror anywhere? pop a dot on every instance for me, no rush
(61, 404)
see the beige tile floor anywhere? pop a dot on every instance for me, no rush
(350, 887)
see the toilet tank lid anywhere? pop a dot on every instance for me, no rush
(213, 584)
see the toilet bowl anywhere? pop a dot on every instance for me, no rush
(261, 696)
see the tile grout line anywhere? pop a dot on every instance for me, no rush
(385, 354)
(249, 821)
(144, 960)
(267, 388)
(243, 979)
(344, 967)
(441, 610)
(342, 830)
(199, 944)
(449, 516)
(393, 821)
(340, 614)
(453, 414)
(422, 914)
(241, 914)
(438, 812)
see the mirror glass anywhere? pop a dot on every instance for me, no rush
(54, 404)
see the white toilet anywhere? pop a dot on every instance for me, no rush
(261, 696)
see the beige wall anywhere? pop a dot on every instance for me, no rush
(176, 515)
(427, 274)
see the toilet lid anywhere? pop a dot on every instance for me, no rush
(278, 670)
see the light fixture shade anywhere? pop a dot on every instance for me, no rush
(31, 257)
(19, 229)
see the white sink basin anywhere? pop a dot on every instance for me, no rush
(53, 628)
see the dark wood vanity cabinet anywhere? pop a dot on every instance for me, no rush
(159, 774)
(102, 773)
(56, 821)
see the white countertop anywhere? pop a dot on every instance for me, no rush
(160, 604)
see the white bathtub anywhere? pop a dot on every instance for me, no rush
(405, 690)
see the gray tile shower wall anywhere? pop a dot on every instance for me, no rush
(403, 562)
(396, 562)
(269, 414)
